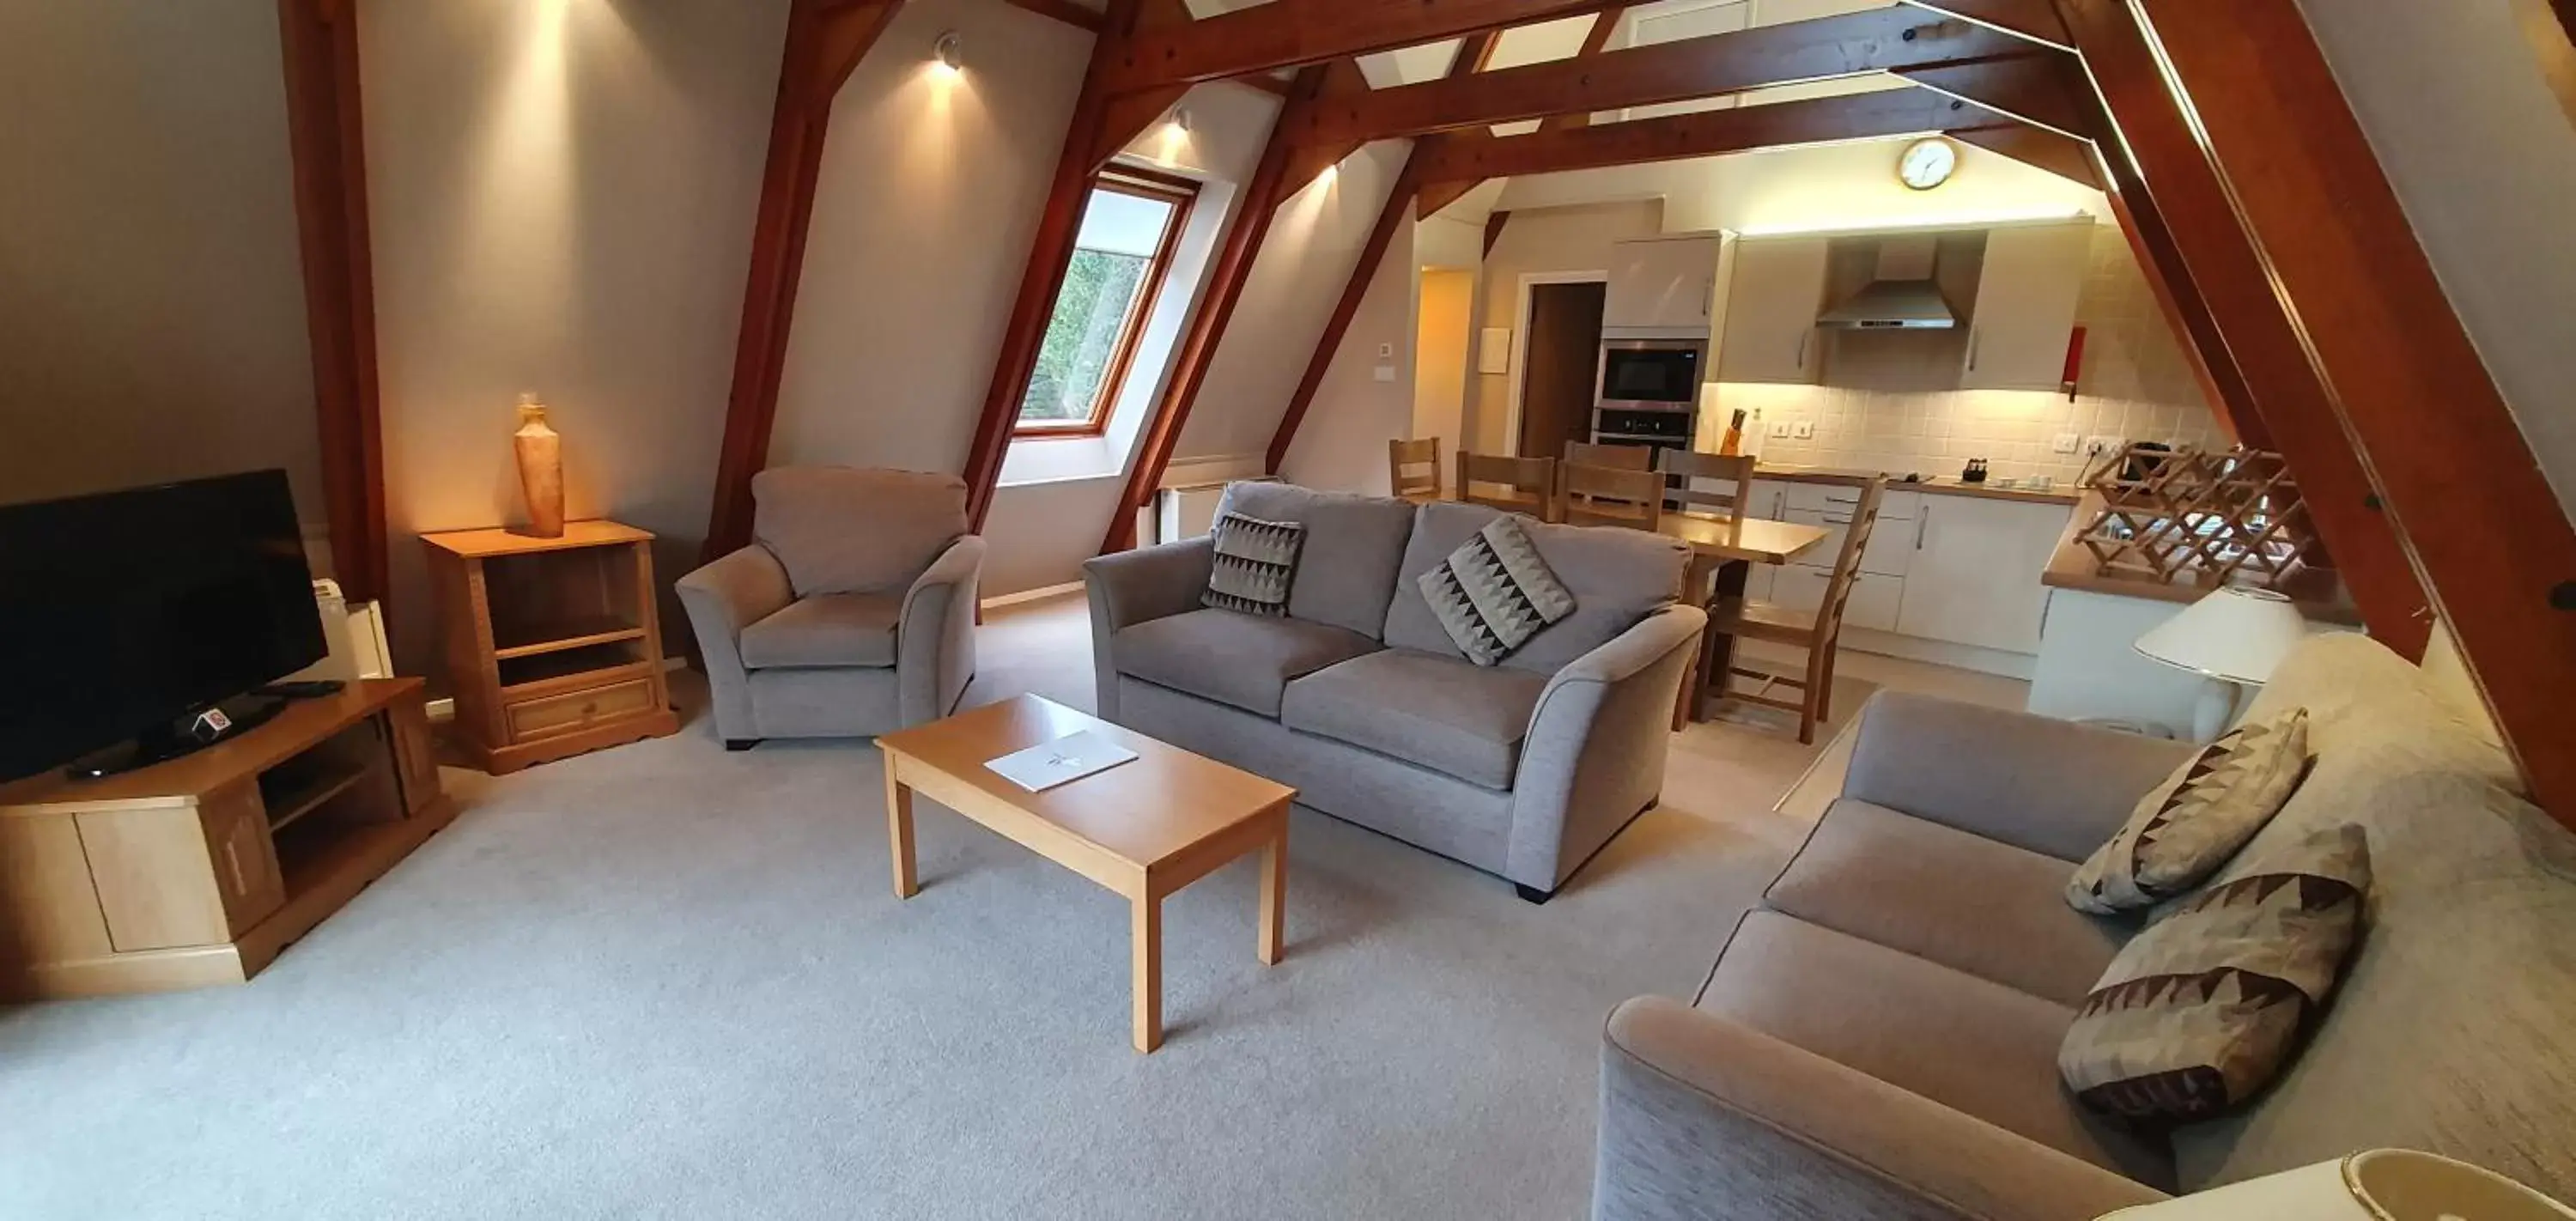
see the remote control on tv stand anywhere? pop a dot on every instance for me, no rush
(301, 689)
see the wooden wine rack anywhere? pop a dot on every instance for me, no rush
(2201, 519)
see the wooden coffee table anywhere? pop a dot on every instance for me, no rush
(1144, 828)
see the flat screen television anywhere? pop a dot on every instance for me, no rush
(124, 614)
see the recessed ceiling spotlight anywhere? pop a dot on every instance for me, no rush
(949, 51)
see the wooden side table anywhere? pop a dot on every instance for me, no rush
(553, 646)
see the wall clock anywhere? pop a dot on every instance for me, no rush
(1927, 163)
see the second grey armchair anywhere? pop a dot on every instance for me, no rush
(852, 612)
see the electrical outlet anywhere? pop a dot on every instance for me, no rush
(2065, 443)
(1803, 429)
(1780, 428)
(2096, 446)
(1386, 351)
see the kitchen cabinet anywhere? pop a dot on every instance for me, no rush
(1662, 283)
(1770, 500)
(1772, 297)
(2025, 310)
(1974, 575)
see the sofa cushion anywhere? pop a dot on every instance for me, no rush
(2201, 1011)
(1494, 592)
(2187, 827)
(1255, 563)
(1347, 571)
(1231, 657)
(1967, 902)
(1972, 1045)
(826, 630)
(839, 529)
(1616, 576)
(1439, 712)
(2450, 1031)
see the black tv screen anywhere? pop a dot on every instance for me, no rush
(123, 611)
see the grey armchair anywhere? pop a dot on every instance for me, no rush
(852, 613)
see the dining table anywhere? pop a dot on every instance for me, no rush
(1723, 552)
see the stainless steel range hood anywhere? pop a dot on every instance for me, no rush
(1902, 298)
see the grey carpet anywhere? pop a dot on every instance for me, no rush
(668, 981)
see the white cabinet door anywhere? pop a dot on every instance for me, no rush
(2026, 306)
(1874, 602)
(1665, 282)
(1771, 305)
(1974, 577)
(1799, 587)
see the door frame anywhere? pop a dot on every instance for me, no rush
(1520, 349)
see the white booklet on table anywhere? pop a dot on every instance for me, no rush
(1071, 757)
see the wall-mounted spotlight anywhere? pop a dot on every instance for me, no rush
(950, 52)
(1179, 123)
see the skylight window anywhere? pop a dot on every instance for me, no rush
(1120, 258)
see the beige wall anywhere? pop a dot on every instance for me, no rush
(2484, 162)
(929, 197)
(1445, 317)
(1545, 240)
(1342, 443)
(151, 294)
(563, 197)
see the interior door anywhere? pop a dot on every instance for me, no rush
(1564, 352)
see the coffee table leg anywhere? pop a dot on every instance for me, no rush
(899, 829)
(1148, 948)
(1274, 894)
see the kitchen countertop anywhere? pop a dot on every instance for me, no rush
(1945, 485)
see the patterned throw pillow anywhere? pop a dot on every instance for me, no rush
(1256, 562)
(2204, 1008)
(1493, 593)
(2188, 827)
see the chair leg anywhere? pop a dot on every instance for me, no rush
(1533, 894)
(741, 743)
(1810, 699)
(1825, 693)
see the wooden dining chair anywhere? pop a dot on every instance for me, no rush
(1527, 485)
(1413, 468)
(1609, 496)
(1685, 468)
(1616, 457)
(1818, 631)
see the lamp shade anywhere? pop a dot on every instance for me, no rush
(2381, 1185)
(2234, 634)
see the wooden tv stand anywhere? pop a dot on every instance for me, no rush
(200, 870)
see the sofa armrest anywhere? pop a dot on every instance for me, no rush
(723, 597)
(1131, 587)
(1594, 754)
(1705, 1118)
(2035, 782)
(935, 638)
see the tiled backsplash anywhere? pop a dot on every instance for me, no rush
(2136, 384)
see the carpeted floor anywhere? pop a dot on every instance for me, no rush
(668, 981)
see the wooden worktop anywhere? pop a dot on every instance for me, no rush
(2063, 494)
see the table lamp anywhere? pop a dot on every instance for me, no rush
(2380, 1185)
(2232, 638)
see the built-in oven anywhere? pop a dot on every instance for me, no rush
(1651, 374)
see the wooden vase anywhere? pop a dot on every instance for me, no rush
(540, 454)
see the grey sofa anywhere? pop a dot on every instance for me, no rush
(851, 613)
(1361, 701)
(1879, 1038)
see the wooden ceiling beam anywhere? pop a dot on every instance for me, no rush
(1196, 348)
(2154, 153)
(326, 142)
(1294, 33)
(1438, 195)
(1848, 45)
(1050, 253)
(2034, 20)
(2039, 148)
(1706, 133)
(2415, 400)
(2032, 88)
(1594, 41)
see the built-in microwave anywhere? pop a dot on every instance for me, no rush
(1651, 374)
